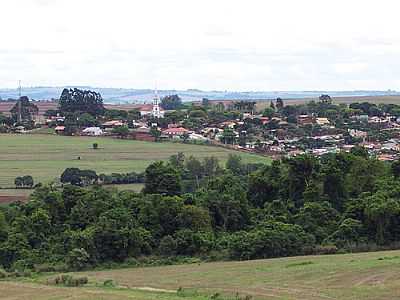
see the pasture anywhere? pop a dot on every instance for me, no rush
(45, 157)
(367, 276)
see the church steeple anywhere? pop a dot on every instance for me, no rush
(156, 105)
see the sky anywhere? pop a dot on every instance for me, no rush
(236, 45)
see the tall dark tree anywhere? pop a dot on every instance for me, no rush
(82, 101)
(24, 110)
(279, 104)
(171, 102)
(326, 99)
(161, 178)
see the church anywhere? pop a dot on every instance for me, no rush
(154, 110)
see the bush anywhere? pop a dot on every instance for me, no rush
(109, 283)
(21, 265)
(25, 273)
(3, 274)
(131, 262)
(167, 246)
(46, 268)
(60, 268)
(76, 281)
(43, 268)
(190, 293)
(77, 259)
(95, 146)
(273, 239)
(326, 249)
(68, 280)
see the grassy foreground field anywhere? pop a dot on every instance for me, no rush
(45, 157)
(373, 276)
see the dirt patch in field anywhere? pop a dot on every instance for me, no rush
(151, 289)
(11, 199)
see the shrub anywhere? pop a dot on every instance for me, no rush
(167, 246)
(299, 264)
(326, 249)
(76, 281)
(20, 265)
(68, 280)
(46, 268)
(273, 239)
(109, 283)
(43, 268)
(181, 292)
(95, 146)
(25, 273)
(3, 274)
(131, 262)
(60, 267)
(77, 259)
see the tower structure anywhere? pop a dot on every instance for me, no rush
(156, 106)
(19, 116)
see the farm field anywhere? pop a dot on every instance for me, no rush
(11, 195)
(45, 157)
(371, 276)
(262, 104)
(136, 187)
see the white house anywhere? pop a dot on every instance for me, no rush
(95, 131)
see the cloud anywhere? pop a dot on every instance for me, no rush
(232, 45)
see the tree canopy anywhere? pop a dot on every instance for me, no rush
(82, 101)
(196, 207)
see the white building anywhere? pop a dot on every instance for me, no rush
(154, 109)
(95, 131)
(157, 111)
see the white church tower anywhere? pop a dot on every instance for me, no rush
(157, 111)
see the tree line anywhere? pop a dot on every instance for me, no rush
(78, 177)
(197, 207)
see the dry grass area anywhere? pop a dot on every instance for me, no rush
(362, 276)
(12, 195)
(31, 291)
(374, 276)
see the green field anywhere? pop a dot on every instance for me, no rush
(370, 276)
(45, 157)
(135, 187)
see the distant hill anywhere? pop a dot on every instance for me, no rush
(121, 96)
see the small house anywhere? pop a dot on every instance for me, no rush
(93, 131)
(175, 132)
(59, 129)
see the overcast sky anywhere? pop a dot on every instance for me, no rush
(205, 44)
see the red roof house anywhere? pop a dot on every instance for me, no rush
(178, 131)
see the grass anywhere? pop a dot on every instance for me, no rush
(135, 187)
(45, 157)
(31, 291)
(16, 192)
(12, 195)
(369, 276)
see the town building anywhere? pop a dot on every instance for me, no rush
(175, 132)
(154, 109)
(93, 131)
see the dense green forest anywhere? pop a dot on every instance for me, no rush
(196, 208)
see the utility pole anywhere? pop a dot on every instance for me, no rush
(19, 119)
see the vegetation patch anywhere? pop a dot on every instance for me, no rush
(389, 257)
(68, 280)
(299, 264)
